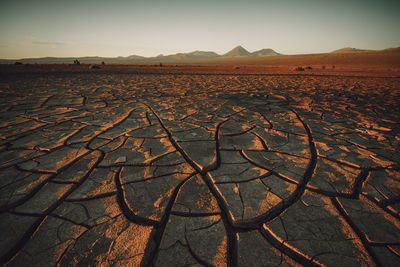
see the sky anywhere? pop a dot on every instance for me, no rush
(74, 28)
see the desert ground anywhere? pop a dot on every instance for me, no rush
(204, 165)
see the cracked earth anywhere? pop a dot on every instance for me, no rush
(179, 169)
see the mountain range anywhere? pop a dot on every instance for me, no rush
(197, 55)
(192, 57)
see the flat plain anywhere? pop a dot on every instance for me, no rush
(199, 165)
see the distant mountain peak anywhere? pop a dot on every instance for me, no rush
(238, 51)
(265, 52)
(239, 47)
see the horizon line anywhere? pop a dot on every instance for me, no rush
(165, 55)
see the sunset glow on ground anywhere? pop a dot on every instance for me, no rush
(268, 134)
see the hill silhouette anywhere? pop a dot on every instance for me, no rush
(349, 50)
(265, 52)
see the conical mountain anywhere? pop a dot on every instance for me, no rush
(238, 51)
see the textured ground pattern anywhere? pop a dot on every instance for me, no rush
(180, 170)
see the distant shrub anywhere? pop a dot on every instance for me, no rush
(299, 69)
(308, 68)
(103, 63)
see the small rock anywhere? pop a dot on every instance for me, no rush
(121, 159)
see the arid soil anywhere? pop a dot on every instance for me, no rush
(179, 166)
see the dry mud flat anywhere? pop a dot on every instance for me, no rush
(173, 170)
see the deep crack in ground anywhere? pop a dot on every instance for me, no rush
(162, 170)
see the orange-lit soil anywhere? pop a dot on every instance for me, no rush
(241, 164)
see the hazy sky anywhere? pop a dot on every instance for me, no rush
(36, 28)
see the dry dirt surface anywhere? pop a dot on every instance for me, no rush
(173, 169)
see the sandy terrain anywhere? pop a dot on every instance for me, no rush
(365, 64)
(239, 165)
